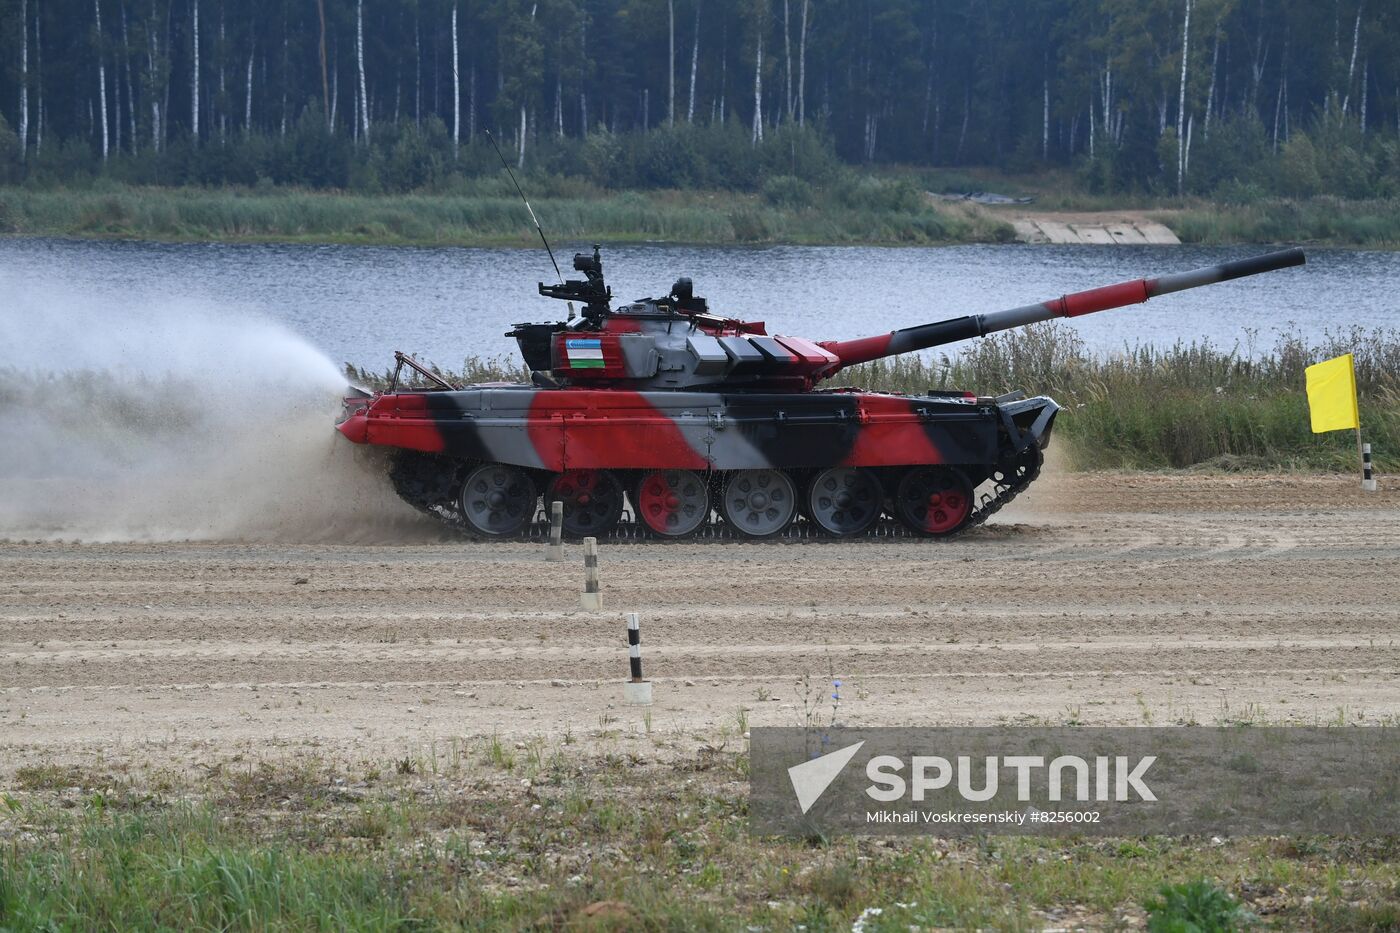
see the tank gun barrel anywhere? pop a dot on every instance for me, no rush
(865, 349)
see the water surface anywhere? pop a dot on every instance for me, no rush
(360, 303)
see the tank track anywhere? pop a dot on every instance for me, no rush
(433, 500)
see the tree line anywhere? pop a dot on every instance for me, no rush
(1164, 95)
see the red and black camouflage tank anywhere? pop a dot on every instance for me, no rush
(699, 421)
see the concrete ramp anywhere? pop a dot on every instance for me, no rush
(1095, 233)
(1091, 233)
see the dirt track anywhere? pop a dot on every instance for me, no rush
(1125, 599)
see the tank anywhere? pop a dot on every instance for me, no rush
(662, 418)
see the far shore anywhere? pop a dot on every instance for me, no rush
(257, 215)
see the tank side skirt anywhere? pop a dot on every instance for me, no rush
(579, 429)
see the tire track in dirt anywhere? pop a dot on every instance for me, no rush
(1118, 599)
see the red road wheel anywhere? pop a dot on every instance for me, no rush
(933, 501)
(673, 503)
(592, 501)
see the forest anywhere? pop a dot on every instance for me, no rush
(1238, 98)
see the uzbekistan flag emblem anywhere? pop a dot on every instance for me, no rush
(584, 353)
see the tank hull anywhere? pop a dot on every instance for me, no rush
(755, 464)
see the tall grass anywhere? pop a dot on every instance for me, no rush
(1374, 223)
(1145, 407)
(184, 869)
(480, 216)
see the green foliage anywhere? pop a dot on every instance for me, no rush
(10, 166)
(486, 211)
(787, 191)
(185, 871)
(1257, 218)
(604, 92)
(1195, 907)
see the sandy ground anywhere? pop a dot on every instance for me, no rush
(1095, 598)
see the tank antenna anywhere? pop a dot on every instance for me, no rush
(533, 218)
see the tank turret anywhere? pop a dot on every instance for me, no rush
(675, 342)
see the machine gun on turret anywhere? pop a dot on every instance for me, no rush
(591, 291)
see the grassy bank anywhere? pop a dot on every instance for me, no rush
(629, 835)
(1332, 221)
(884, 214)
(1237, 214)
(886, 210)
(1186, 405)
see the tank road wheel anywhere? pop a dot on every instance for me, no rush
(759, 503)
(844, 500)
(673, 503)
(592, 501)
(933, 501)
(497, 499)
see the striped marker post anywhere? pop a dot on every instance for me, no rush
(1368, 478)
(590, 599)
(636, 692)
(555, 550)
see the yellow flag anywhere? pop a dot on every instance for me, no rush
(1332, 395)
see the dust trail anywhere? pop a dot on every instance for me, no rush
(1051, 497)
(155, 421)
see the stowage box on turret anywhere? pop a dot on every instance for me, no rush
(704, 421)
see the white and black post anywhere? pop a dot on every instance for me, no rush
(636, 691)
(590, 598)
(555, 551)
(1368, 477)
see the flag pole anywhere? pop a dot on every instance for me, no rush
(1363, 453)
(1360, 451)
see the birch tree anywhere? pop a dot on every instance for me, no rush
(325, 84)
(363, 103)
(126, 75)
(456, 88)
(582, 85)
(524, 102)
(1351, 66)
(1045, 123)
(671, 58)
(38, 79)
(787, 64)
(417, 71)
(153, 83)
(760, 22)
(101, 72)
(220, 106)
(194, 77)
(802, 67)
(694, 66)
(1181, 101)
(248, 84)
(24, 80)
(1214, 70)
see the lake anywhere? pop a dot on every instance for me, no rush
(358, 304)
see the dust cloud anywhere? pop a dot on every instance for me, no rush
(160, 421)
